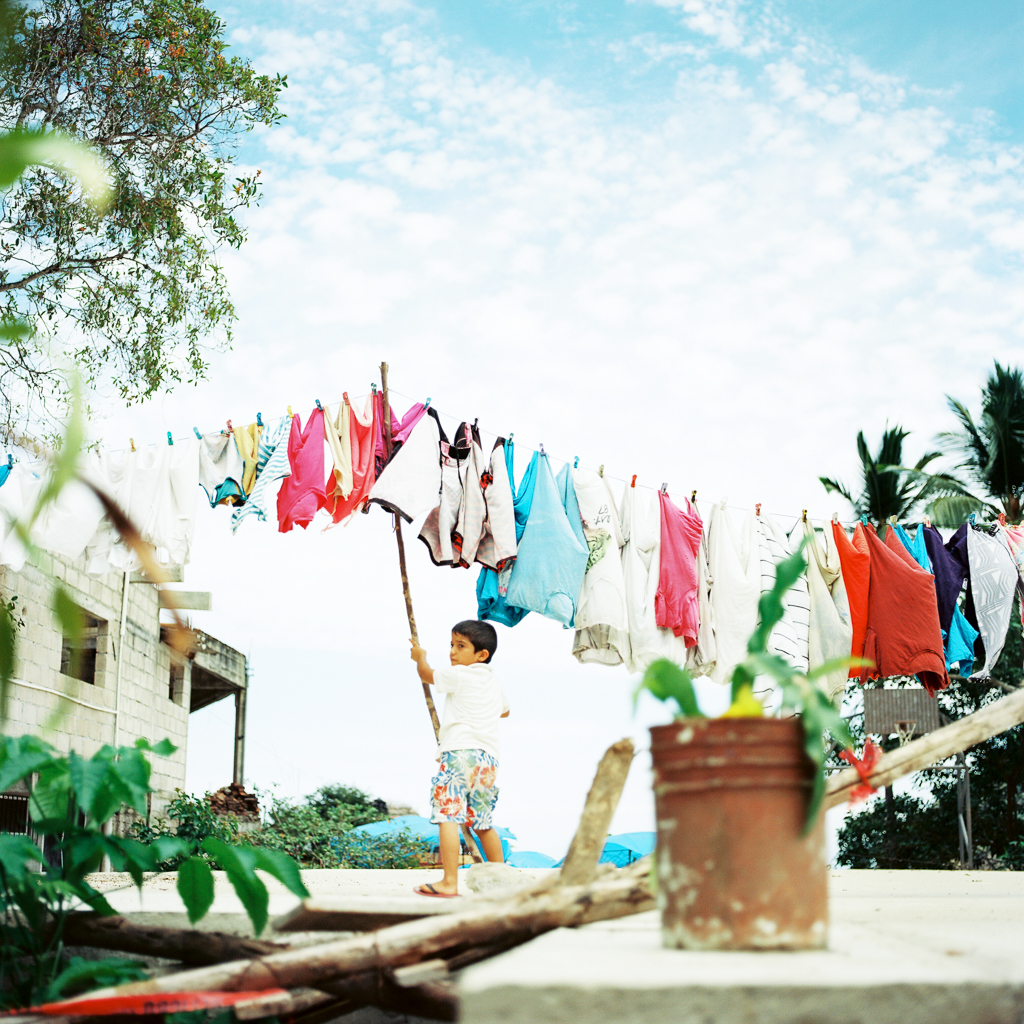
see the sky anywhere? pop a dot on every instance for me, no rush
(702, 241)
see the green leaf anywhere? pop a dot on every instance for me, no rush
(771, 607)
(169, 848)
(16, 853)
(239, 864)
(835, 664)
(21, 756)
(8, 655)
(283, 868)
(50, 796)
(195, 886)
(82, 975)
(132, 771)
(21, 149)
(667, 681)
(69, 616)
(90, 782)
(136, 856)
(162, 749)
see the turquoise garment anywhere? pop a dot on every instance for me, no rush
(959, 641)
(551, 561)
(490, 585)
(5, 471)
(916, 546)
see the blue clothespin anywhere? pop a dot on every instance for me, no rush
(195, 430)
(541, 447)
(10, 461)
(510, 436)
(864, 520)
(576, 463)
(259, 420)
(318, 405)
(373, 388)
(426, 404)
(170, 440)
(971, 518)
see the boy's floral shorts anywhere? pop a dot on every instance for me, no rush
(464, 789)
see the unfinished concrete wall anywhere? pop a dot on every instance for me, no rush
(154, 699)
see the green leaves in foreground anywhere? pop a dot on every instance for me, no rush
(239, 863)
(667, 681)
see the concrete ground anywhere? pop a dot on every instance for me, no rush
(907, 947)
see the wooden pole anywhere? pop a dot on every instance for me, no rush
(427, 696)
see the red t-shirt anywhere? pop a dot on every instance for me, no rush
(856, 565)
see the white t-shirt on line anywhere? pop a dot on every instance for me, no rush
(474, 702)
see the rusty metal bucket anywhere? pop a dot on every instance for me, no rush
(734, 871)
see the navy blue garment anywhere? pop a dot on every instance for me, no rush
(490, 585)
(551, 560)
(957, 548)
(949, 571)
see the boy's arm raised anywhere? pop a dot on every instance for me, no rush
(420, 657)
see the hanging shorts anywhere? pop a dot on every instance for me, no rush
(464, 789)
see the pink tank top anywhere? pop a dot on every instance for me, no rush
(675, 603)
(363, 438)
(303, 493)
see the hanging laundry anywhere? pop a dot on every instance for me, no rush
(788, 638)
(304, 492)
(498, 545)
(902, 637)
(221, 469)
(5, 469)
(549, 567)
(71, 520)
(411, 481)
(734, 559)
(994, 581)
(271, 468)
(401, 429)
(675, 602)
(379, 441)
(441, 522)
(602, 622)
(830, 631)
(339, 441)
(361, 440)
(959, 635)
(247, 440)
(701, 658)
(114, 474)
(949, 569)
(469, 526)
(640, 518)
(856, 565)
(491, 586)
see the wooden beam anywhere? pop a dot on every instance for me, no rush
(187, 600)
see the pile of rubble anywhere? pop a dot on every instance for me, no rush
(234, 800)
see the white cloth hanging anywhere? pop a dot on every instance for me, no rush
(70, 522)
(271, 468)
(220, 466)
(830, 632)
(498, 545)
(18, 498)
(994, 581)
(602, 620)
(734, 560)
(114, 474)
(640, 519)
(788, 638)
(411, 481)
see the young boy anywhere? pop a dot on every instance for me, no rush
(464, 790)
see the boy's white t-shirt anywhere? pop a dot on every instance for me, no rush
(473, 705)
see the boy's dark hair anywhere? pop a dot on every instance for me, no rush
(482, 635)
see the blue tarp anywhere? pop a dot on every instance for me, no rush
(421, 827)
(529, 859)
(623, 849)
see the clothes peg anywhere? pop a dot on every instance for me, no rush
(170, 440)
(541, 447)
(426, 405)
(373, 388)
(864, 520)
(633, 484)
(835, 517)
(600, 470)
(510, 436)
(10, 460)
(318, 405)
(693, 498)
(259, 420)
(892, 520)
(195, 430)
(927, 520)
(475, 422)
(757, 509)
(971, 518)
(664, 488)
(576, 462)
(131, 441)
(803, 516)
(291, 415)
(230, 429)
(1002, 518)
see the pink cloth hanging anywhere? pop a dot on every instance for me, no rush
(676, 602)
(363, 438)
(303, 493)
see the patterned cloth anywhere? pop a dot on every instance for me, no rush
(464, 789)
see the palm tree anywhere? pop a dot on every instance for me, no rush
(991, 450)
(887, 488)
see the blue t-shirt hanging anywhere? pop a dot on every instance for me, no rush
(490, 585)
(551, 561)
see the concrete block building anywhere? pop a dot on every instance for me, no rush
(117, 681)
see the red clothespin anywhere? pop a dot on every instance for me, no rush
(633, 484)
(230, 429)
(757, 509)
(1002, 518)
(864, 765)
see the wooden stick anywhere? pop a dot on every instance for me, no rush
(1004, 714)
(285, 1004)
(428, 697)
(545, 907)
(580, 864)
(186, 945)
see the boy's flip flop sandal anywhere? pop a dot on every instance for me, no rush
(428, 890)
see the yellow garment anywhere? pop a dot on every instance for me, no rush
(339, 440)
(248, 441)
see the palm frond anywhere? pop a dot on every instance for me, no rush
(953, 510)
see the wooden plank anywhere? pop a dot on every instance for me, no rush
(187, 600)
(360, 913)
(990, 721)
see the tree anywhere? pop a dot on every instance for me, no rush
(887, 489)
(133, 291)
(991, 450)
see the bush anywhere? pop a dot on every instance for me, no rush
(195, 822)
(398, 850)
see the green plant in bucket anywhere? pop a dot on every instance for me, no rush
(667, 681)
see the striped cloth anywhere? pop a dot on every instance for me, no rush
(271, 468)
(789, 637)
